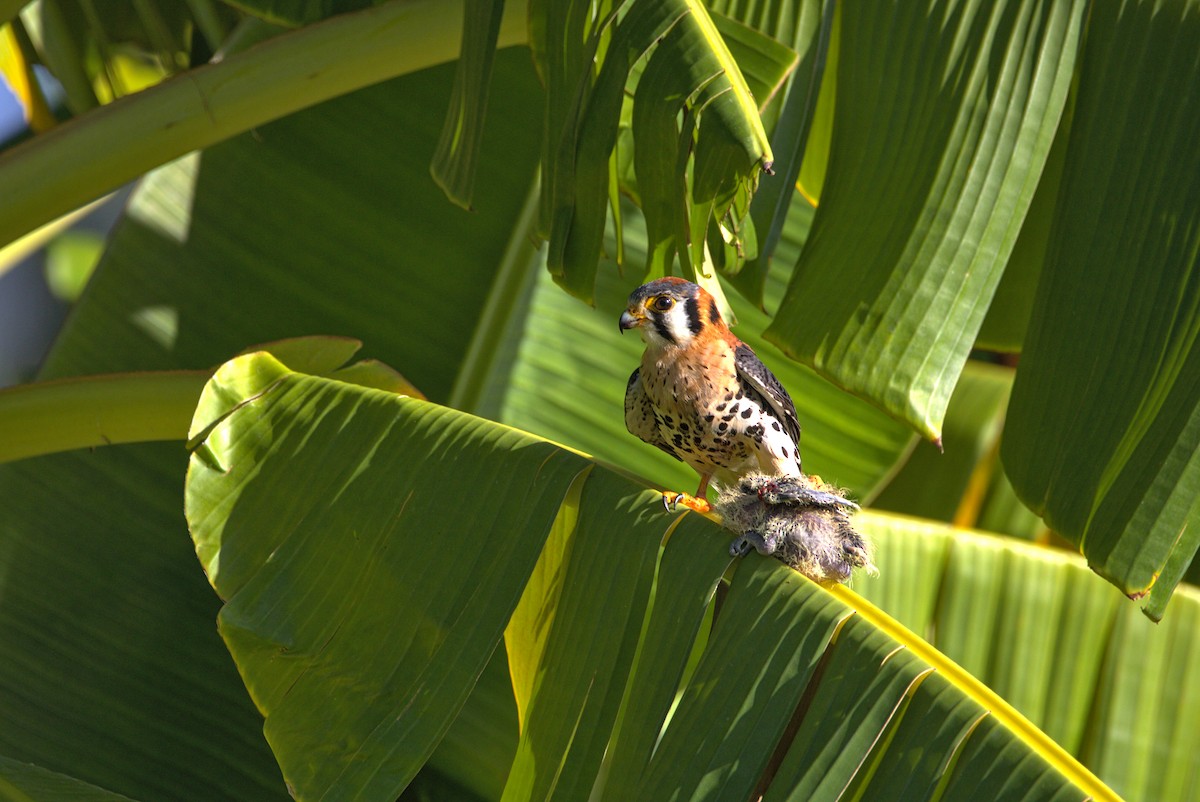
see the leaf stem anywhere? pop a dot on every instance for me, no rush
(103, 149)
(65, 414)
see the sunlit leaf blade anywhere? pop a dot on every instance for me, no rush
(764, 61)
(337, 610)
(940, 135)
(1006, 774)
(815, 766)
(734, 710)
(613, 555)
(691, 566)
(1111, 693)
(927, 740)
(529, 625)
(785, 21)
(343, 219)
(809, 661)
(24, 781)
(1148, 698)
(306, 586)
(1104, 425)
(454, 163)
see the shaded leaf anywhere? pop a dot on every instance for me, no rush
(299, 12)
(25, 781)
(949, 484)
(462, 134)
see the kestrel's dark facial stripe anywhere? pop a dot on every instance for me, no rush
(714, 316)
(662, 327)
(692, 307)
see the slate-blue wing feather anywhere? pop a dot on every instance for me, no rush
(758, 376)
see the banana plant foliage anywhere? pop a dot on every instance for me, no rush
(361, 612)
(311, 209)
(957, 149)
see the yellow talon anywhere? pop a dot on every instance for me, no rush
(672, 500)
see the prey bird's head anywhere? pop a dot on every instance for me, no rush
(670, 312)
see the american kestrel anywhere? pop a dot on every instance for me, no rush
(701, 394)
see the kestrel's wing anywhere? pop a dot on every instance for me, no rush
(640, 419)
(755, 376)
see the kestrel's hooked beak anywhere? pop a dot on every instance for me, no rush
(630, 321)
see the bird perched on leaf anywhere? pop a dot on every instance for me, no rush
(701, 394)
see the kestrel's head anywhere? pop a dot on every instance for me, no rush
(670, 311)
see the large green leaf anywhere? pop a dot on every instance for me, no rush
(940, 134)
(1109, 686)
(1104, 429)
(323, 222)
(357, 650)
(360, 674)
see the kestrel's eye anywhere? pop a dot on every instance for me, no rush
(661, 303)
